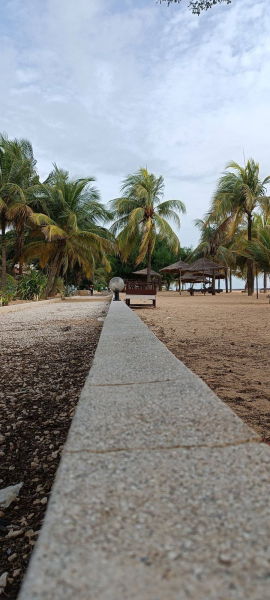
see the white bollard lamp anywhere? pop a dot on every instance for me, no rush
(116, 285)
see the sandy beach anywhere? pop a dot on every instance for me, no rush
(225, 339)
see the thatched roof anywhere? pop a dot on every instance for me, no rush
(192, 278)
(175, 267)
(204, 265)
(143, 273)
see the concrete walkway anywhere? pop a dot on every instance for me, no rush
(162, 492)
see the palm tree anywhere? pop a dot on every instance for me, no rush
(259, 250)
(12, 198)
(261, 221)
(261, 224)
(79, 197)
(239, 191)
(265, 210)
(73, 236)
(213, 235)
(216, 242)
(18, 180)
(141, 216)
(24, 213)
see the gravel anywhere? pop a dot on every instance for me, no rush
(46, 352)
(39, 323)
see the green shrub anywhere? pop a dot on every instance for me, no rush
(5, 298)
(31, 285)
(101, 279)
(11, 285)
(69, 290)
(9, 292)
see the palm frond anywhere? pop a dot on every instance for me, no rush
(53, 233)
(40, 220)
(41, 250)
(259, 250)
(137, 211)
(165, 232)
(171, 205)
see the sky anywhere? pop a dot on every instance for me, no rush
(104, 87)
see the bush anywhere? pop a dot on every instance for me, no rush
(31, 285)
(101, 279)
(69, 290)
(11, 286)
(5, 298)
(7, 294)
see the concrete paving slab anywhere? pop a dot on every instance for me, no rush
(124, 316)
(172, 524)
(177, 413)
(133, 358)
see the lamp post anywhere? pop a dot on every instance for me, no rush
(116, 285)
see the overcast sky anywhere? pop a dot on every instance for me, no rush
(103, 87)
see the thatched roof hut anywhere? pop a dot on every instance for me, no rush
(178, 268)
(205, 266)
(175, 267)
(143, 273)
(192, 278)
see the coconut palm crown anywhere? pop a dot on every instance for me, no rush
(240, 190)
(141, 215)
(259, 251)
(73, 236)
(18, 183)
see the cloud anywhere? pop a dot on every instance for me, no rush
(104, 87)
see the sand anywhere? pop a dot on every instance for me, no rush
(225, 339)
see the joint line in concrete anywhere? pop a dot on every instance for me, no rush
(166, 448)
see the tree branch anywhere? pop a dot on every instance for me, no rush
(197, 6)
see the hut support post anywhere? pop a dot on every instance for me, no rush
(213, 283)
(230, 280)
(257, 285)
(180, 283)
(226, 280)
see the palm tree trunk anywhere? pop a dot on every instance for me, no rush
(250, 268)
(54, 287)
(54, 270)
(265, 282)
(4, 253)
(149, 265)
(19, 248)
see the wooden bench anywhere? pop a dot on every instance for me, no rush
(138, 291)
